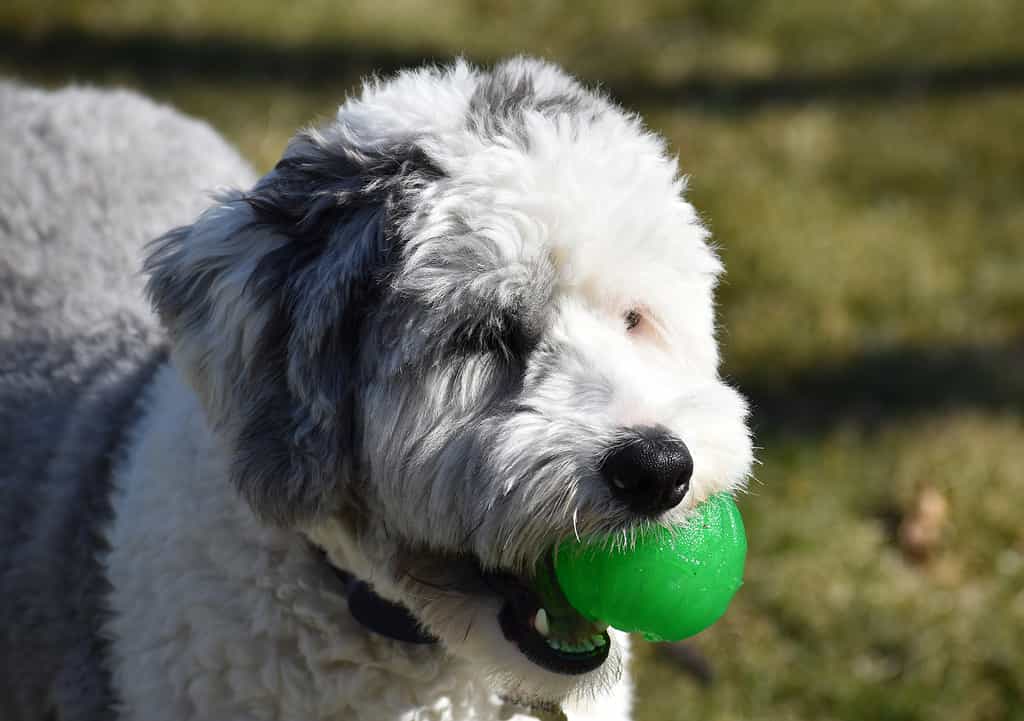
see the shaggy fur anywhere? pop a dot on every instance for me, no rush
(413, 344)
(88, 179)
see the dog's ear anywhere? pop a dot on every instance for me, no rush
(264, 297)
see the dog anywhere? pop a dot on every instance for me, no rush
(315, 468)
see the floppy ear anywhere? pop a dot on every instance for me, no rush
(264, 297)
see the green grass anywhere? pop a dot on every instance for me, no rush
(608, 39)
(870, 209)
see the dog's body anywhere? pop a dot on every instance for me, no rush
(395, 347)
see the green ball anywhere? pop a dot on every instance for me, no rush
(670, 584)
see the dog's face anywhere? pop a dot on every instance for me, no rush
(470, 318)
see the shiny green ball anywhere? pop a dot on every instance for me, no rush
(669, 584)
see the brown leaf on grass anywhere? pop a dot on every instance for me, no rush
(921, 530)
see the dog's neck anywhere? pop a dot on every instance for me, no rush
(176, 477)
(377, 615)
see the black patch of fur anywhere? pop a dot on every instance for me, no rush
(504, 96)
(505, 334)
(322, 196)
(292, 424)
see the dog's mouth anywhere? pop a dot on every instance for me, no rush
(537, 618)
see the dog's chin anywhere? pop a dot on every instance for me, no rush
(523, 634)
(517, 660)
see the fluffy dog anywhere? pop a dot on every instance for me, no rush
(467, 318)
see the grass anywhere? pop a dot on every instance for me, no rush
(861, 166)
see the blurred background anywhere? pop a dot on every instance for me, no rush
(861, 165)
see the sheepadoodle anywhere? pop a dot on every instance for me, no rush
(322, 478)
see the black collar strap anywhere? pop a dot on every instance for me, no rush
(384, 617)
(376, 614)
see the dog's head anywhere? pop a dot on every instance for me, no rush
(470, 317)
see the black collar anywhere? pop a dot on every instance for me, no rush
(376, 614)
(395, 621)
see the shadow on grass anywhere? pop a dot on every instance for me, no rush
(879, 83)
(157, 57)
(890, 383)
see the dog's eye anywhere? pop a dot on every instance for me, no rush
(506, 337)
(632, 319)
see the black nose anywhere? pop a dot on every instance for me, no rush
(650, 471)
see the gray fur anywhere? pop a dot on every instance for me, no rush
(504, 96)
(51, 576)
(84, 187)
(334, 215)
